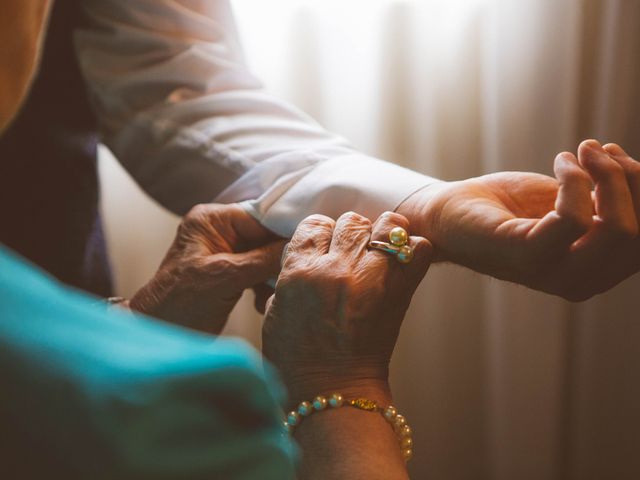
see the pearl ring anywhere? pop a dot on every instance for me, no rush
(398, 238)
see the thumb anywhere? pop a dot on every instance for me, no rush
(258, 265)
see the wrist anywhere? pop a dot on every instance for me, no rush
(309, 388)
(423, 209)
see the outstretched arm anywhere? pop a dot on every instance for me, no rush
(554, 235)
(182, 112)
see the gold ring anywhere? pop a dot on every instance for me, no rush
(399, 238)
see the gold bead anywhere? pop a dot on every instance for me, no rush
(405, 431)
(305, 409)
(390, 413)
(398, 236)
(364, 404)
(407, 453)
(335, 400)
(405, 254)
(406, 442)
(320, 403)
(399, 422)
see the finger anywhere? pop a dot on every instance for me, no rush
(632, 172)
(351, 236)
(383, 225)
(403, 278)
(247, 269)
(422, 257)
(312, 237)
(268, 303)
(245, 229)
(285, 251)
(262, 293)
(422, 248)
(573, 212)
(226, 227)
(251, 233)
(387, 222)
(614, 205)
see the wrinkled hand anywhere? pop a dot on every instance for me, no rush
(218, 252)
(553, 235)
(337, 309)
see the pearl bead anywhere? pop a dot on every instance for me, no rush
(320, 403)
(407, 442)
(405, 254)
(305, 409)
(335, 400)
(287, 427)
(390, 413)
(407, 453)
(293, 418)
(398, 236)
(399, 422)
(405, 431)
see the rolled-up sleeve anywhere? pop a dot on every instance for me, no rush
(182, 112)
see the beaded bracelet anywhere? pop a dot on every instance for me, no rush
(335, 400)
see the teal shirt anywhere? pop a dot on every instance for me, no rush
(89, 392)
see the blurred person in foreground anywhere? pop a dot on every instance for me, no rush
(166, 86)
(97, 392)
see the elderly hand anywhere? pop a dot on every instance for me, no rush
(338, 306)
(553, 235)
(219, 251)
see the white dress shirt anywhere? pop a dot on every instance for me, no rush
(179, 108)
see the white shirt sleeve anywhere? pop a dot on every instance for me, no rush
(179, 108)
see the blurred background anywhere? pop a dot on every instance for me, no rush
(498, 382)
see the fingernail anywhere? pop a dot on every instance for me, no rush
(614, 149)
(593, 145)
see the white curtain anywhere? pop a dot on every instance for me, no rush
(498, 382)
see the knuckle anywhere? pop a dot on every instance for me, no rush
(316, 221)
(197, 211)
(393, 218)
(353, 217)
(298, 275)
(195, 217)
(307, 242)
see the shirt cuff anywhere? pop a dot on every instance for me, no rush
(355, 182)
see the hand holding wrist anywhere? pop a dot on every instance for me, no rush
(547, 233)
(422, 208)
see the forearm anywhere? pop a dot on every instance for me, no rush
(194, 125)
